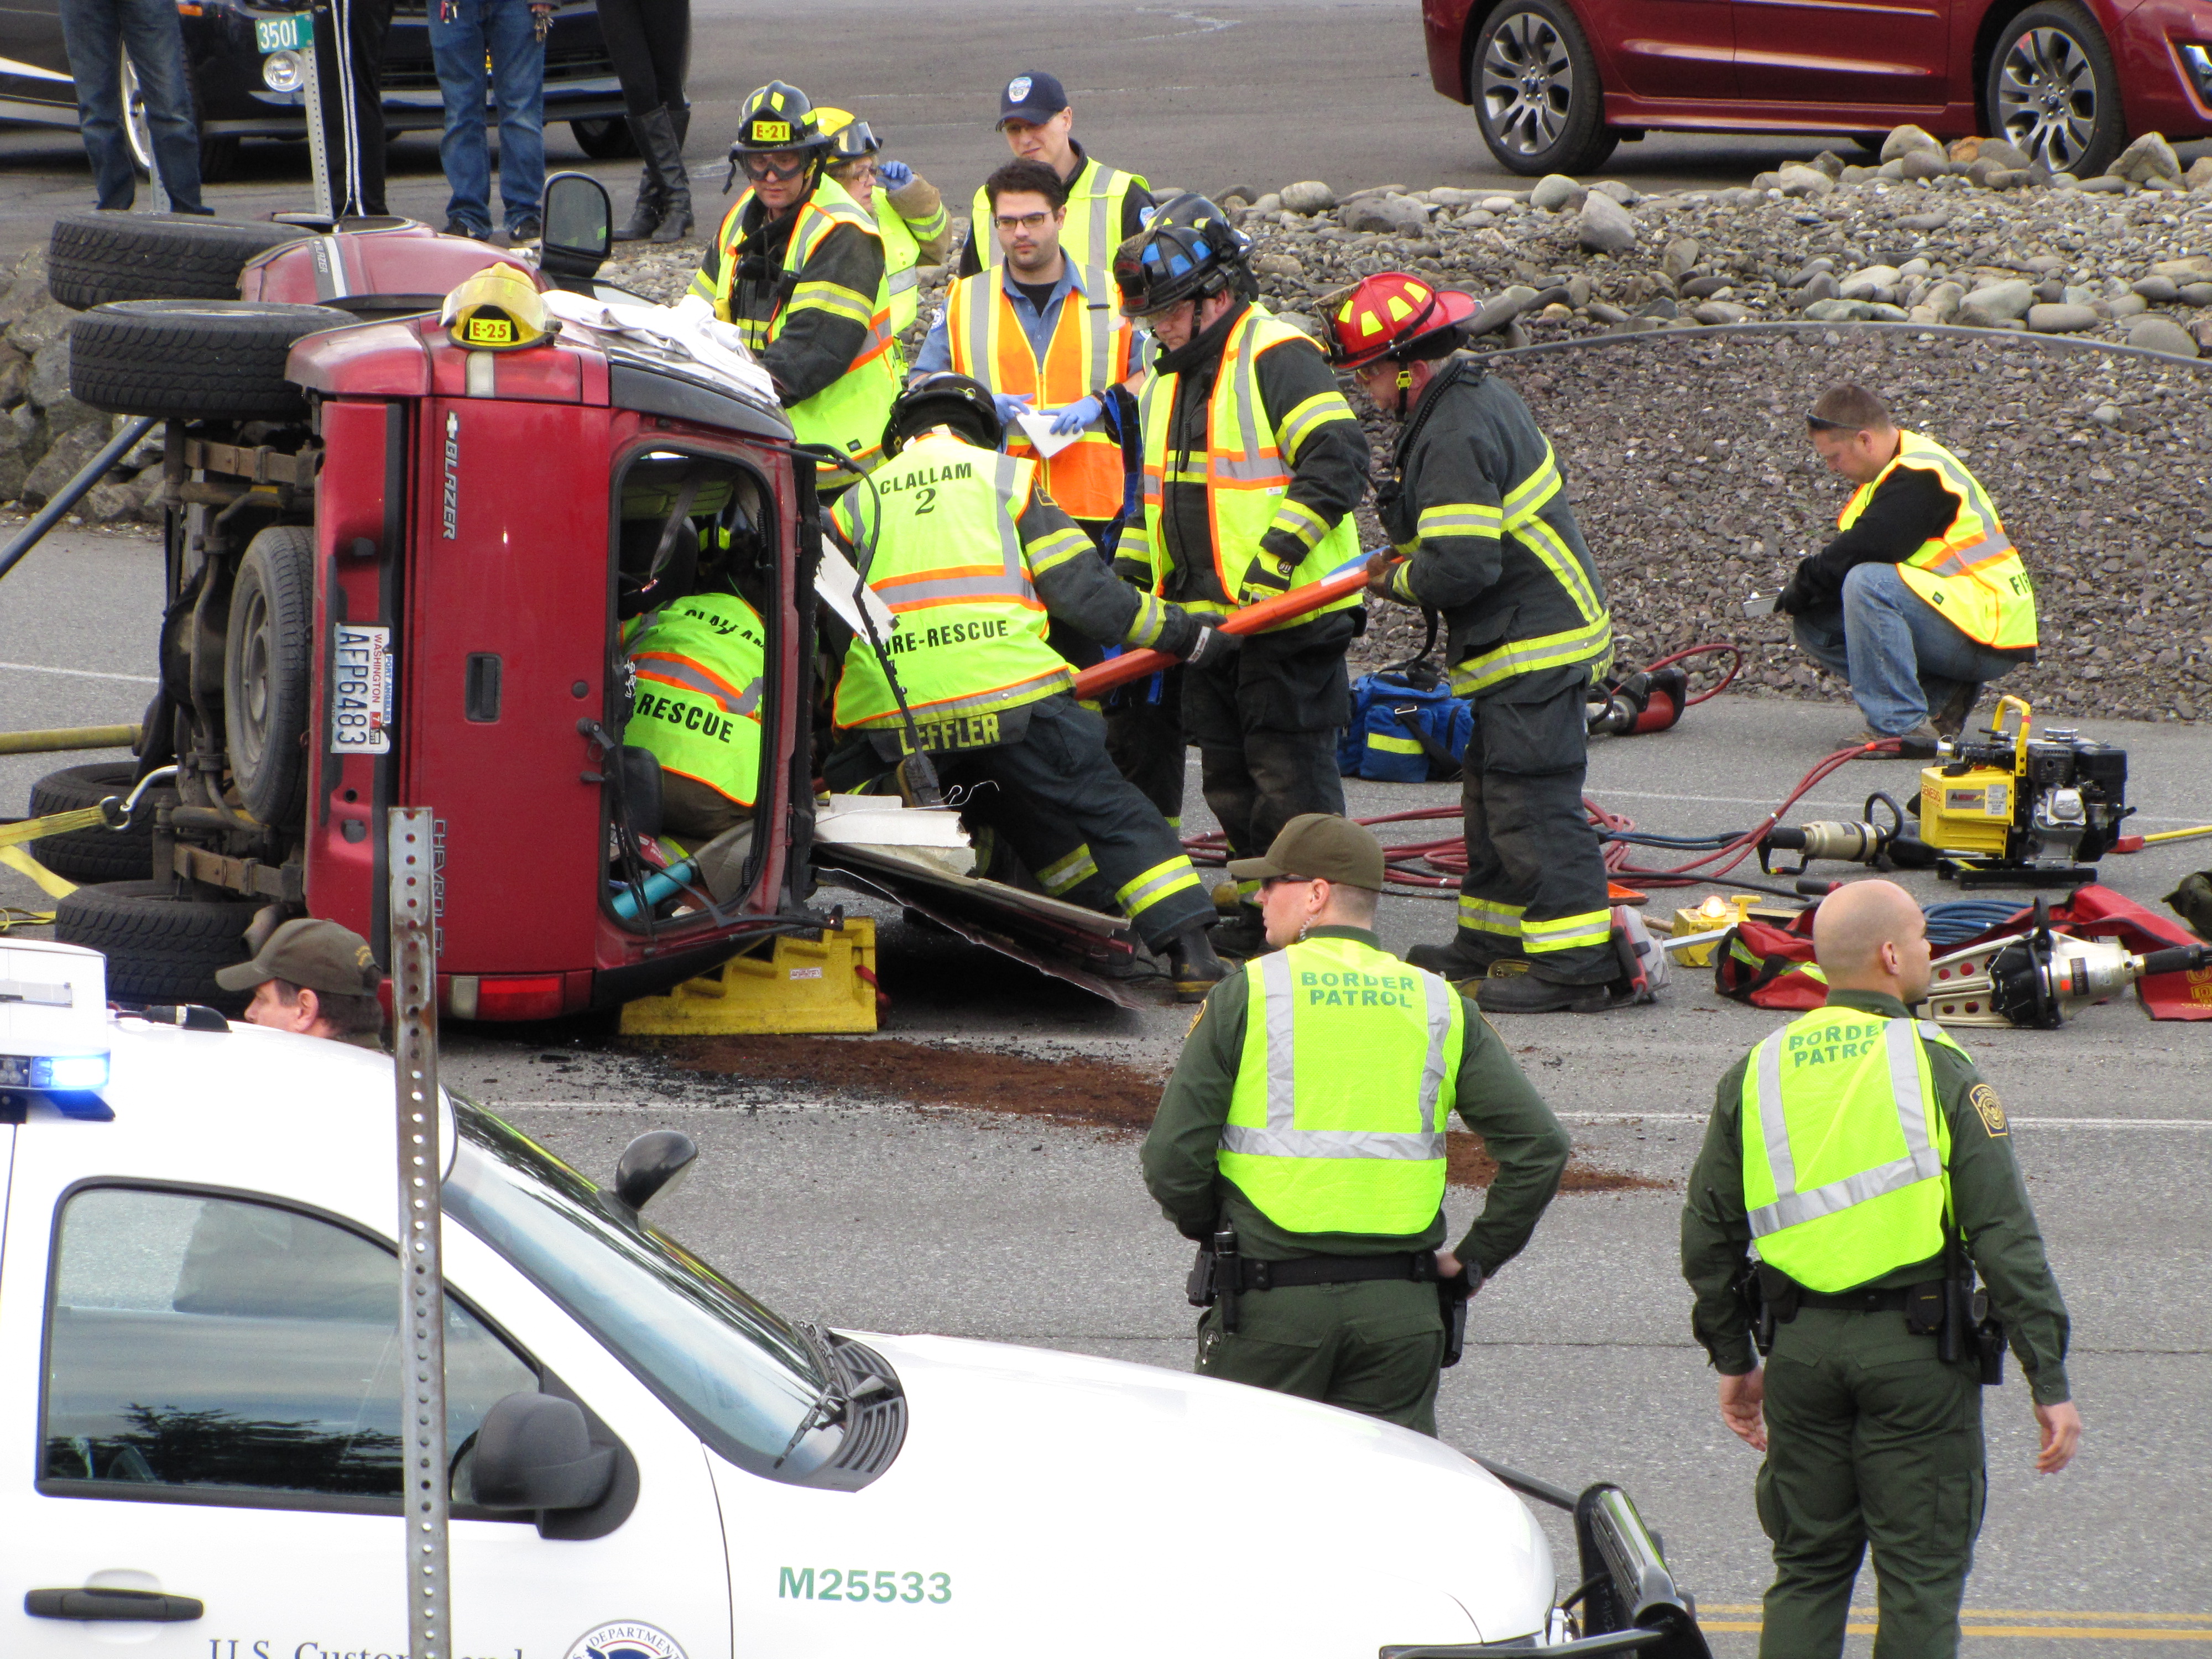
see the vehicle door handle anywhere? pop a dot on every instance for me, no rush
(150, 1606)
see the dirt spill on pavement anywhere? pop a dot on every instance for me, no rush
(1067, 1089)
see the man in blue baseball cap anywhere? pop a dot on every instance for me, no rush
(1105, 205)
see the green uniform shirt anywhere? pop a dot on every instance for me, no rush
(1494, 1100)
(1987, 1195)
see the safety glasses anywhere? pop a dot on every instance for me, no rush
(761, 170)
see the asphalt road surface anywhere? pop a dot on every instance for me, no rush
(1203, 97)
(874, 1215)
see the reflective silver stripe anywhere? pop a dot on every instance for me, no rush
(900, 280)
(1103, 179)
(983, 702)
(1441, 996)
(1239, 369)
(1330, 1143)
(936, 590)
(690, 676)
(1955, 562)
(1005, 478)
(979, 310)
(1103, 322)
(1922, 1162)
(1282, 1072)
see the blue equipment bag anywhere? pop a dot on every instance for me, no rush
(1403, 730)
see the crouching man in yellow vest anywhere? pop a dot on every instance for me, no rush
(797, 266)
(1303, 1129)
(974, 560)
(1923, 597)
(1863, 1163)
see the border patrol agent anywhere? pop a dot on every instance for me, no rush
(1859, 1155)
(973, 557)
(1301, 1140)
(1922, 598)
(1479, 510)
(1105, 205)
(316, 977)
(797, 266)
(1252, 462)
(912, 220)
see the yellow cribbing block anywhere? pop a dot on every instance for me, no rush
(804, 986)
(1715, 912)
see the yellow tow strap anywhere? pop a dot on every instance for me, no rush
(57, 823)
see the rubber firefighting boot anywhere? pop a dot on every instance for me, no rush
(1243, 935)
(1192, 966)
(666, 153)
(1453, 961)
(652, 198)
(1512, 989)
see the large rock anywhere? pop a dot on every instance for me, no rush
(2161, 334)
(1553, 191)
(1846, 311)
(27, 289)
(1308, 195)
(2199, 176)
(1604, 226)
(1909, 140)
(1619, 192)
(1680, 257)
(2007, 298)
(2182, 270)
(1942, 301)
(50, 373)
(1798, 181)
(1715, 313)
(40, 327)
(2061, 318)
(2147, 158)
(1867, 283)
(1923, 164)
(2004, 152)
(63, 460)
(16, 375)
(1821, 285)
(1387, 214)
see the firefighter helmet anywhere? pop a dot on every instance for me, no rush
(777, 116)
(1396, 315)
(498, 309)
(850, 140)
(1186, 250)
(943, 399)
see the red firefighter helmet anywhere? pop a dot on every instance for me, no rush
(1393, 313)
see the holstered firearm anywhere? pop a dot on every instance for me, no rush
(1228, 1277)
(1968, 1328)
(1768, 1300)
(1452, 1296)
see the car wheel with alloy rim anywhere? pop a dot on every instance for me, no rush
(2053, 91)
(1536, 90)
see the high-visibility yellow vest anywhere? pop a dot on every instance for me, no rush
(849, 413)
(934, 529)
(1845, 1147)
(902, 265)
(1972, 572)
(1088, 352)
(698, 666)
(1092, 229)
(1349, 1071)
(1247, 477)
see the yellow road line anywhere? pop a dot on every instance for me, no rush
(2003, 1613)
(2179, 1624)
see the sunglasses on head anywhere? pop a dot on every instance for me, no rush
(1821, 423)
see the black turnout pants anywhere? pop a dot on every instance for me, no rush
(650, 44)
(1143, 734)
(362, 25)
(1265, 722)
(1535, 885)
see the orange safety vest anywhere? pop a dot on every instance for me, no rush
(1088, 352)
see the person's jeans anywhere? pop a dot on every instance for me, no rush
(96, 33)
(1901, 655)
(503, 30)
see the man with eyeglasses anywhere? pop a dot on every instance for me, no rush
(1105, 205)
(1923, 597)
(1305, 1121)
(797, 266)
(1048, 339)
(1252, 462)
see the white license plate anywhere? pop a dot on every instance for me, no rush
(361, 691)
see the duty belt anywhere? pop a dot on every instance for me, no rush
(1895, 1301)
(1419, 1267)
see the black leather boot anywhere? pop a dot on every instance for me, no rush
(645, 217)
(664, 153)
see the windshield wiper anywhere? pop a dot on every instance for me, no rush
(829, 1404)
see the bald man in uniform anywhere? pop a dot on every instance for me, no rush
(1859, 1158)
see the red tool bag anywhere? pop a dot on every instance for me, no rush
(1770, 967)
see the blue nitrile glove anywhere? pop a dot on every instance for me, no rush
(1009, 404)
(893, 175)
(1075, 416)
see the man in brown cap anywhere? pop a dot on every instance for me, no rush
(315, 977)
(1301, 1141)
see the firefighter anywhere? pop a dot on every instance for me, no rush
(1923, 597)
(1253, 462)
(911, 219)
(695, 661)
(1105, 205)
(797, 266)
(972, 556)
(1859, 1158)
(1328, 1168)
(1478, 507)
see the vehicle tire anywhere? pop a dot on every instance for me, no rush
(160, 947)
(1871, 143)
(267, 665)
(96, 855)
(2052, 90)
(604, 137)
(92, 258)
(219, 158)
(194, 360)
(1537, 95)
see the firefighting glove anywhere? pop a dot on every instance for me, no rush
(1212, 648)
(1077, 416)
(893, 175)
(1267, 577)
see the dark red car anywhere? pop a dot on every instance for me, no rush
(1557, 83)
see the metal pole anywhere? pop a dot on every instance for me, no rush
(65, 738)
(310, 88)
(421, 1272)
(73, 492)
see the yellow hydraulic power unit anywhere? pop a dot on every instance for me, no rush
(801, 987)
(2023, 810)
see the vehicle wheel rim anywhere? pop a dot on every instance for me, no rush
(253, 681)
(1527, 84)
(2047, 98)
(136, 128)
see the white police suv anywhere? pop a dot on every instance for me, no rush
(200, 1434)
